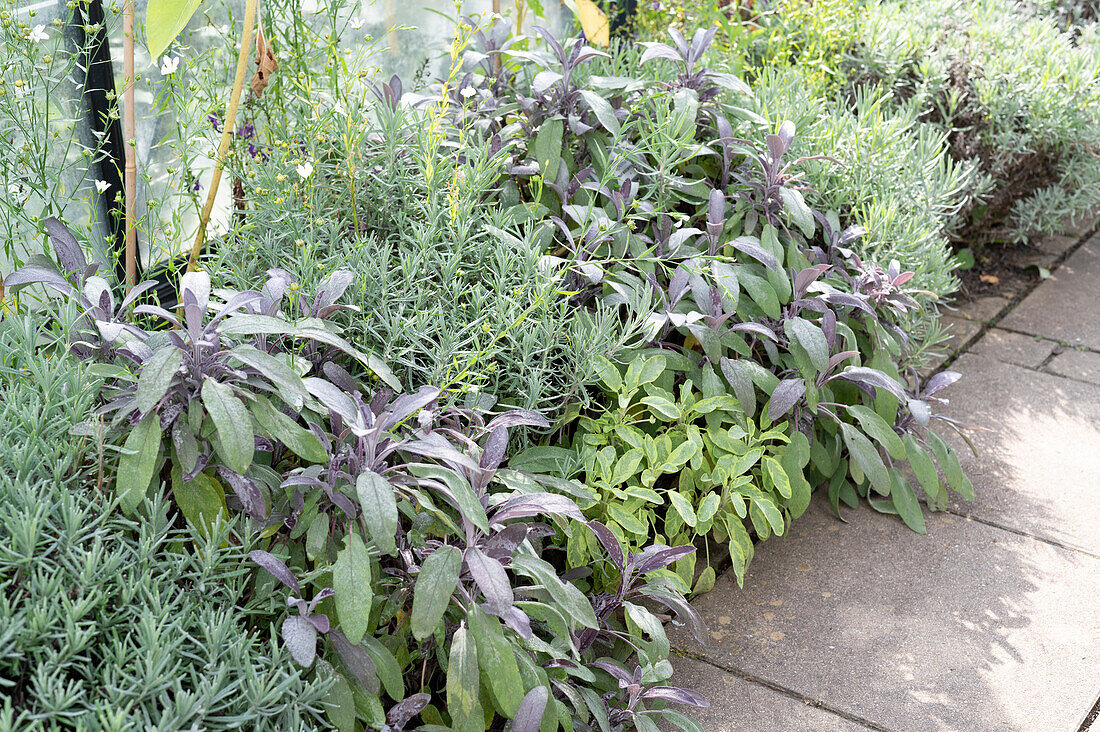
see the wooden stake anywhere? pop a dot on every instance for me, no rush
(227, 131)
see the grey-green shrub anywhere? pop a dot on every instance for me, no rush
(111, 623)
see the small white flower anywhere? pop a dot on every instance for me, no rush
(468, 92)
(356, 24)
(14, 191)
(169, 65)
(102, 186)
(305, 170)
(39, 34)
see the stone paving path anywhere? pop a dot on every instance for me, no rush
(991, 621)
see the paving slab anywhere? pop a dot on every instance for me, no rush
(968, 628)
(1038, 463)
(982, 309)
(1066, 307)
(1058, 244)
(738, 705)
(961, 330)
(1080, 365)
(1016, 348)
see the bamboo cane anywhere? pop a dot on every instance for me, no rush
(130, 152)
(227, 130)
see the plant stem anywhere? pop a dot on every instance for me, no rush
(130, 144)
(227, 130)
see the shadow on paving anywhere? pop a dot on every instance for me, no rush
(968, 628)
(1037, 470)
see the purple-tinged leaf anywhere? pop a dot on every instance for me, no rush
(247, 491)
(536, 504)
(300, 638)
(495, 447)
(786, 395)
(828, 327)
(658, 50)
(505, 542)
(873, 378)
(407, 404)
(676, 694)
(685, 613)
(838, 358)
(332, 288)
(357, 660)
(34, 274)
(399, 715)
(610, 543)
(803, 279)
(491, 579)
(757, 328)
(658, 557)
(843, 298)
(528, 716)
(518, 621)
(920, 410)
(750, 245)
(941, 381)
(851, 234)
(716, 213)
(276, 568)
(517, 417)
(624, 677)
(67, 247)
(320, 622)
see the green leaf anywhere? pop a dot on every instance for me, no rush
(679, 457)
(778, 476)
(608, 374)
(627, 520)
(708, 507)
(949, 464)
(924, 469)
(571, 600)
(462, 684)
(705, 583)
(234, 426)
(156, 376)
(298, 439)
(867, 458)
(376, 498)
(138, 462)
(662, 406)
(164, 19)
(496, 661)
(276, 370)
(603, 110)
(771, 513)
(386, 666)
(341, 703)
(547, 148)
(317, 537)
(795, 458)
(201, 500)
(438, 578)
(799, 211)
(626, 466)
(876, 427)
(351, 580)
(811, 339)
(683, 507)
(906, 503)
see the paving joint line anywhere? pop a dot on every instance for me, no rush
(1090, 718)
(988, 325)
(1066, 347)
(1020, 532)
(787, 692)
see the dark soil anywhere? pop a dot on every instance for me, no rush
(1006, 270)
